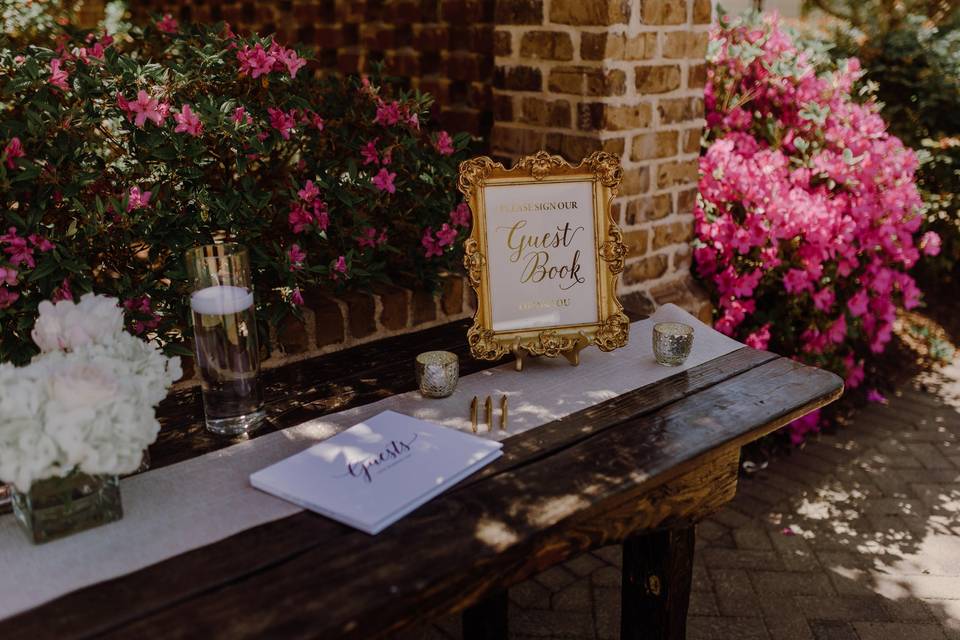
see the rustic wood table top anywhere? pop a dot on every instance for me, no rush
(652, 460)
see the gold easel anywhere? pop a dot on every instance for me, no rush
(572, 353)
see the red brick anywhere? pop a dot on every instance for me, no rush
(590, 12)
(518, 78)
(360, 311)
(327, 316)
(663, 12)
(519, 12)
(394, 306)
(451, 300)
(430, 37)
(292, 335)
(547, 45)
(424, 307)
(502, 43)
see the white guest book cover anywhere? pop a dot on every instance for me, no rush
(378, 471)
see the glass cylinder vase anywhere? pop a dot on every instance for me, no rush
(225, 337)
(57, 507)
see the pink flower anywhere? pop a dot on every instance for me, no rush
(7, 297)
(875, 396)
(58, 76)
(309, 192)
(255, 62)
(801, 427)
(388, 113)
(146, 108)
(168, 24)
(838, 330)
(137, 199)
(430, 245)
(445, 144)
(296, 256)
(930, 243)
(296, 297)
(339, 268)
(855, 373)
(19, 251)
(40, 243)
(369, 152)
(63, 292)
(12, 151)
(857, 304)
(461, 215)
(369, 238)
(384, 181)
(797, 281)
(316, 121)
(282, 121)
(823, 300)
(8, 276)
(760, 338)
(240, 116)
(320, 214)
(446, 235)
(288, 58)
(188, 122)
(299, 218)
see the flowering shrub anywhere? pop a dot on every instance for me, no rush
(116, 156)
(911, 50)
(87, 402)
(808, 212)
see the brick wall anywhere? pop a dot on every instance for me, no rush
(627, 77)
(443, 47)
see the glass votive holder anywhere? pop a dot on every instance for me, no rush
(437, 373)
(672, 342)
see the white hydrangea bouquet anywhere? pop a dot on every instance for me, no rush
(86, 403)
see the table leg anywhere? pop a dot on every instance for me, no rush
(487, 620)
(655, 593)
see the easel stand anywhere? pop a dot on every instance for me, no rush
(572, 354)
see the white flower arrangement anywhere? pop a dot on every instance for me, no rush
(87, 401)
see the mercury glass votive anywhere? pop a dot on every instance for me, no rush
(672, 342)
(437, 373)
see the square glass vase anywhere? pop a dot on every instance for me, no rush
(58, 507)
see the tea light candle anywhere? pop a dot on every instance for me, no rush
(437, 373)
(672, 342)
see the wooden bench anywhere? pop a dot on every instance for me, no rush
(639, 469)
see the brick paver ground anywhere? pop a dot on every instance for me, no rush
(857, 537)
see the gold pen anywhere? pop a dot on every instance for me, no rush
(503, 413)
(473, 413)
(489, 413)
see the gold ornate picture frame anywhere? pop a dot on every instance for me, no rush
(500, 256)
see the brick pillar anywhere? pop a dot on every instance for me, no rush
(627, 77)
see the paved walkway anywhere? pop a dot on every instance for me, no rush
(857, 537)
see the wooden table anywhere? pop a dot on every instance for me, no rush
(639, 470)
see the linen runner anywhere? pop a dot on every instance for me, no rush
(200, 501)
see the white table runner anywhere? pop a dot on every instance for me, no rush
(188, 505)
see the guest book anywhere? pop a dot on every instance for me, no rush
(378, 471)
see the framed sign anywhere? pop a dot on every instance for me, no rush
(544, 256)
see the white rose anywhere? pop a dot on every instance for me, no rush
(81, 385)
(68, 325)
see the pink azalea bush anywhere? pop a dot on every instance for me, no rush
(808, 214)
(118, 155)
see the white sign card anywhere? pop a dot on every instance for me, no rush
(544, 256)
(541, 244)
